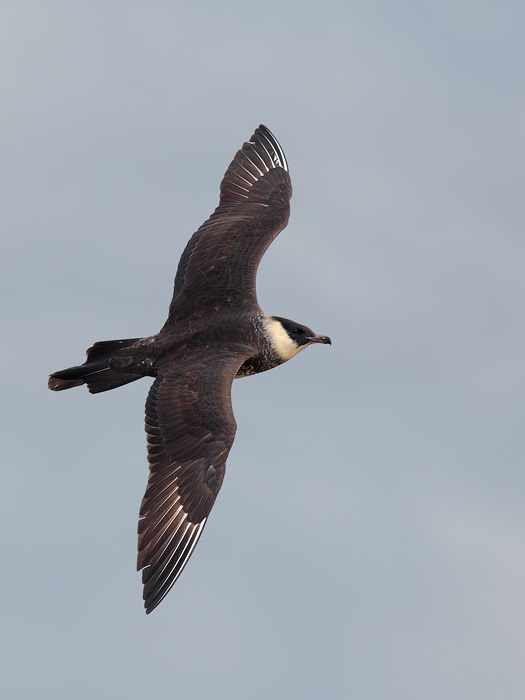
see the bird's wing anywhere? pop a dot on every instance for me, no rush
(190, 427)
(220, 260)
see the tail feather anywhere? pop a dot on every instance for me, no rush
(95, 372)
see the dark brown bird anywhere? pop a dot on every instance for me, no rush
(215, 332)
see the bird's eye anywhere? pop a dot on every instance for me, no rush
(297, 331)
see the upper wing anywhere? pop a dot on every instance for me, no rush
(221, 259)
(190, 427)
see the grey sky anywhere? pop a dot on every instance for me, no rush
(369, 538)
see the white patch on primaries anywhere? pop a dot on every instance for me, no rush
(281, 342)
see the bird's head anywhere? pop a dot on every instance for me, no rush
(288, 337)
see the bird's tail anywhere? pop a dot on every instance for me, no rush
(96, 371)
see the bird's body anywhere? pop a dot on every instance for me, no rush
(215, 332)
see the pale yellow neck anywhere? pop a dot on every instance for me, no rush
(283, 345)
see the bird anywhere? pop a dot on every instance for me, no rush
(215, 332)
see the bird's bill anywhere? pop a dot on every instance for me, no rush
(320, 339)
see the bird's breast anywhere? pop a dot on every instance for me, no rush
(257, 363)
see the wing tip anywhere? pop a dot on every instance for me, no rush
(266, 138)
(259, 156)
(155, 592)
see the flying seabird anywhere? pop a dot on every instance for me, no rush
(215, 332)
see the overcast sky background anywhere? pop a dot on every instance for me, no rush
(369, 538)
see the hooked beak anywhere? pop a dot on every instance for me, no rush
(324, 339)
